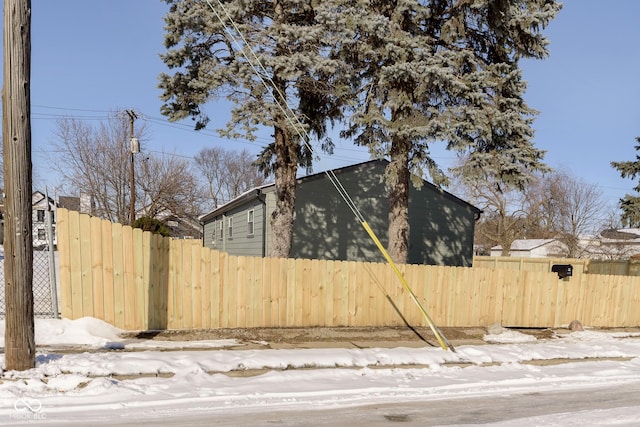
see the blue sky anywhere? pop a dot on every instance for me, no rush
(93, 57)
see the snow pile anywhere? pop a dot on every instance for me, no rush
(86, 331)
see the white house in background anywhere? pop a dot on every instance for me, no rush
(41, 207)
(533, 248)
(610, 244)
(614, 244)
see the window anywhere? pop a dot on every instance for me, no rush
(230, 227)
(213, 235)
(40, 215)
(250, 223)
(221, 229)
(41, 234)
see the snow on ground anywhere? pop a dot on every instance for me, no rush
(128, 381)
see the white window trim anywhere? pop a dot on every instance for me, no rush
(251, 222)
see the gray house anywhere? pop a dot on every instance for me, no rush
(441, 225)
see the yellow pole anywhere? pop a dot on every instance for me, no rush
(441, 339)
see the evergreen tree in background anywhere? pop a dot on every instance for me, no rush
(630, 205)
(440, 71)
(209, 65)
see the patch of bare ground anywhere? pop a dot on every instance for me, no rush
(356, 337)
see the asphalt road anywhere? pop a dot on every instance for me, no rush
(507, 410)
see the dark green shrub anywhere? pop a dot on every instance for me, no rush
(146, 223)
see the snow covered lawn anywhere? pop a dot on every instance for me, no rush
(117, 381)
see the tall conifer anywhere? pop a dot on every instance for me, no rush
(207, 64)
(630, 204)
(440, 71)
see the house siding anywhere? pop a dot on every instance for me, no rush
(41, 207)
(270, 205)
(441, 228)
(241, 242)
(326, 228)
(441, 225)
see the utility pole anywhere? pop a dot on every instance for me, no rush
(134, 148)
(19, 344)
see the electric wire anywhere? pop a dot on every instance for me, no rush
(305, 138)
(262, 74)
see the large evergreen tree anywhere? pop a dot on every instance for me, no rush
(289, 71)
(440, 71)
(630, 204)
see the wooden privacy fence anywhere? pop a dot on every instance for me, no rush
(580, 266)
(138, 281)
(625, 267)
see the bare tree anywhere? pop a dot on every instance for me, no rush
(504, 219)
(95, 161)
(168, 185)
(504, 205)
(228, 173)
(566, 208)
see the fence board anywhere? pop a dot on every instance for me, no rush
(298, 289)
(64, 249)
(186, 281)
(157, 265)
(118, 275)
(97, 267)
(107, 273)
(216, 286)
(129, 293)
(141, 294)
(75, 253)
(196, 301)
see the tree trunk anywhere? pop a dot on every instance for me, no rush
(398, 178)
(16, 135)
(286, 165)
(286, 170)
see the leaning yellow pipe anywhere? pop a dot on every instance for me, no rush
(441, 339)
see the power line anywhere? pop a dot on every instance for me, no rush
(181, 127)
(279, 100)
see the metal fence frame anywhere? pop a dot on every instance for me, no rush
(45, 289)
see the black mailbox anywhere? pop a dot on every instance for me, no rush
(563, 270)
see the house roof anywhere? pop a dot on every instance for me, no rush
(623, 234)
(252, 194)
(255, 193)
(39, 196)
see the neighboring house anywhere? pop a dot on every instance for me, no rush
(41, 207)
(41, 204)
(533, 248)
(608, 245)
(84, 204)
(441, 225)
(614, 244)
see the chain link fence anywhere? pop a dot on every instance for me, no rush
(45, 289)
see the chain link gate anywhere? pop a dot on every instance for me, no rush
(45, 289)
